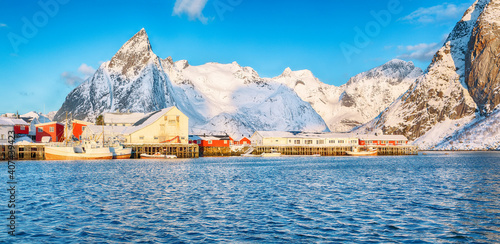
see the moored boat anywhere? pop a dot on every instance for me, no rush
(158, 156)
(273, 153)
(62, 152)
(357, 152)
(121, 152)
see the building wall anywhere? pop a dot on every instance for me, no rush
(172, 125)
(245, 141)
(21, 129)
(78, 129)
(4, 133)
(382, 143)
(56, 135)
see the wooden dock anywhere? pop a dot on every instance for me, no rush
(179, 150)
(23, 152)
(333, 151)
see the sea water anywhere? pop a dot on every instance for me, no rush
(432, 198)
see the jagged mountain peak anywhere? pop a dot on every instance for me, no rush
(395, 71)
(133, 55)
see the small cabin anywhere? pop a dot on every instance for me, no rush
(54, 130)
(211, 140)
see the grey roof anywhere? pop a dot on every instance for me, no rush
(147, 120)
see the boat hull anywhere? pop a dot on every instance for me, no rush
(157, 156)
(372, 153)
(121, 153)
(270, 155)
(68, 153)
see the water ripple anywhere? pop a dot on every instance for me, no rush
(424, 199)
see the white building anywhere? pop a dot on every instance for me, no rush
(6, 125)
(122, 119)
(285, 138)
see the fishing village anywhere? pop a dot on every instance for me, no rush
(164, 134)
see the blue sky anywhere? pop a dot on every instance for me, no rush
(49, 46)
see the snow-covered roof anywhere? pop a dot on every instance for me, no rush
(147, 120)
(289, 134)
(122, 118)
(383, 137)
(10, 121)
(209, 137)
(97, 129)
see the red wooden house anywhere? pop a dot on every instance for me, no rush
(78, 128)
(54, 130)
(20, 127)
(242, 141)
(211, 140)
(383, 140)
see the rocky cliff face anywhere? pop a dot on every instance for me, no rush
(482, 60)
(439, 103)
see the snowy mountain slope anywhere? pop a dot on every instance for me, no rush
(216, 97)
(357, 102)
(483, 133)
(236, 100)
(438, 102)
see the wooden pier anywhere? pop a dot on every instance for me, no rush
(333, 151)
(23, 152)
(179, 150)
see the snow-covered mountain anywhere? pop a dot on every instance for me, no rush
(216, 97)
(357, 102)
(461, 81)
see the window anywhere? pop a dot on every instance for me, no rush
(331, 141)
(40, 129)
(297, 142)
(171, 122)
(210, 142)
(309, 141)
(199, 142)
(245, 142)
(341, 141)
(320, 141)
(276, 140)
(225, 142)
(83, 128)
(141, 137)
(51, 129)
(156, 138)
(22, 127)
(2, 136)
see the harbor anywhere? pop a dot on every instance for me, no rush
(37, 152)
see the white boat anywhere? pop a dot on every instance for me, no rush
(157, 155)
(85, 152)
(273, 153)
(119, 152)
(357, 152)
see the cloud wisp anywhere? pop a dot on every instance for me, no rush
(71, 79)
(434, 14)
(193, 8)
(3, 25)
(422, 52)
